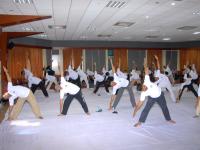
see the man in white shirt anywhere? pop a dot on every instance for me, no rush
(187, 84)
(154, 94)
(163, 81)
(22, 94)
(50, 77)
(83, 76)
(33, 82)
(119, 85)
(73, 76)
(169, 74)
(72, 91)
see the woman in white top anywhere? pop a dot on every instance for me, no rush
(163, 81)
(22, 94)
(73, 76)
(154, 94)
(119, 85)
(72, 91)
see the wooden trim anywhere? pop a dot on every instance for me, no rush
(21, 34)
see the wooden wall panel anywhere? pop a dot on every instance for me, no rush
(17, 61)
(3, 59)
(150, 56)
(192, 55)
(72, 55)
(67, 55)
(122, 55)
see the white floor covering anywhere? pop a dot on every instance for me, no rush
(102, 130)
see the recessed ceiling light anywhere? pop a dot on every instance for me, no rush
(196, 33)
(57, 26)
(166, 39)
(27, 28)
(124, 24)
(23, 1)
(173, 4)
(147, 17)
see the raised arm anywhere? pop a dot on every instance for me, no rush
(146, 70)
(113, 68)
(119, 63)
(7, 74)
(157, 62)
(95, 66)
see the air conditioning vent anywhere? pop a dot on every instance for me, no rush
(23, 1)
(104, 35)
(124, 24)
(187, 28)
(151, 36)
(115, 4)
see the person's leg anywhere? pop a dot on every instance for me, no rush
(146, 109)
(191, 88)
(130, 91)
(97, 87)
(42, 87)
(118, 97)
(162, 103)
(86, 81)
(106, 85)
(17, 109)
(49, 85)
(181, 92)
(34, 87)
(66, 104)
(81, 100)
(34, 105)
(198, 107)
(3, 109)
(169, 88)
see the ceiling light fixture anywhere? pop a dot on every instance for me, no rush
(195, 33)
(173, 4)
(57, 26)
(124, 24)
(166, 39)
(147, 17)
(23, 1)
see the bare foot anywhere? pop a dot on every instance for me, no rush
(138, 124)
(196, 116)
(172, 121)
(88, 113)
(40, 117)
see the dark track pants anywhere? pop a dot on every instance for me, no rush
(41, 85)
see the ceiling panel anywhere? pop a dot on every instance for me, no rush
(86, 19)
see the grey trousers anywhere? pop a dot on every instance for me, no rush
(120, 93)
(161, 102)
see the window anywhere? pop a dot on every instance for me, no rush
(171, 58)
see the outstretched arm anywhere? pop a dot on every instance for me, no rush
(146, 70)
(113, 68)
(157, 62)
(7, 74)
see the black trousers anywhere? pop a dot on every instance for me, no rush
(69, 99)
(98, 84)
(77, 81)
(161, 102)
(41, 85)
(191, 88)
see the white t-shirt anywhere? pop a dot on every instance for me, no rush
(134, 75)
(68, 87)
(72, 74)
(163, 79)
(50, 78)
(120, 82)
(17, 91)
(33, 80)
(168, 70)
(27, 73)
(121, 74)
(81, 73)
(90, 73)
(193, 74)
(199, 91)
(152, 89)
(98, 77)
